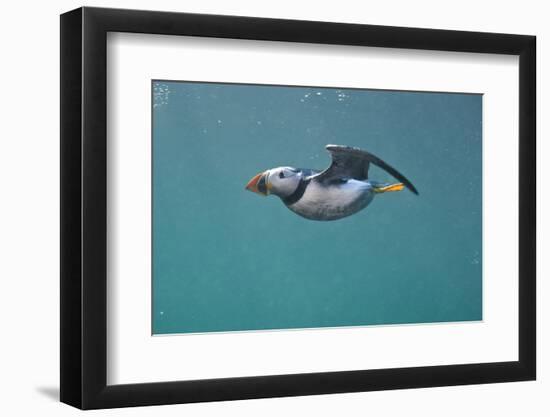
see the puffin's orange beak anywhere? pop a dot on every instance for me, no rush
(258, 184)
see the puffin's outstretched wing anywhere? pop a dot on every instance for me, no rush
(348, 162)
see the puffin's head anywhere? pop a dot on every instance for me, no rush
(282, 181)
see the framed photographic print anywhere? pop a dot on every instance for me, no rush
(258, 207)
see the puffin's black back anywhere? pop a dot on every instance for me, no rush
(348, 162)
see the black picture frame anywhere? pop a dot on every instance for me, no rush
(84, 207)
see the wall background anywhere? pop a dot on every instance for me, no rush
(29, 238)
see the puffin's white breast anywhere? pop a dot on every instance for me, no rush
(332, 202)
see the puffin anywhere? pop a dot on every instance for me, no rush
(341, 190)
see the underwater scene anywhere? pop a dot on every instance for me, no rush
(258, 225)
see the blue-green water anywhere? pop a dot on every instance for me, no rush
(226, 259)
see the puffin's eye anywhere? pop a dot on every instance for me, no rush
(281, 174)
